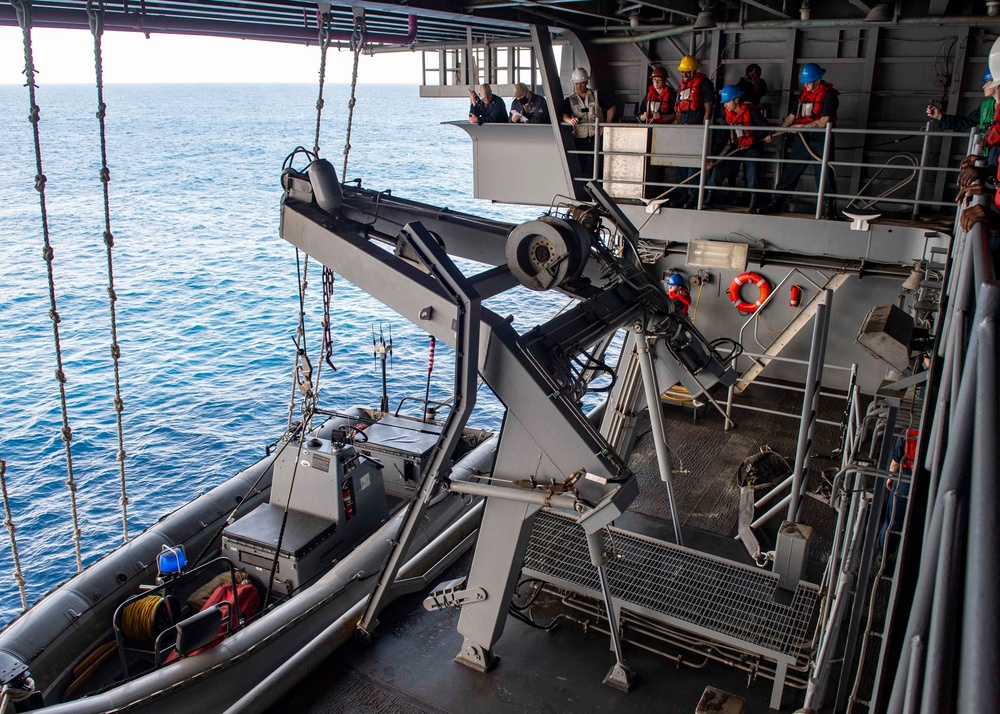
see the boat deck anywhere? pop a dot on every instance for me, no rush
(711, 584)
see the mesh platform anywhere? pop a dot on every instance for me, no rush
(715, 598)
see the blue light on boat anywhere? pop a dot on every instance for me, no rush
(171, 560)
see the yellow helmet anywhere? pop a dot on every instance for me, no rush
(688, 64)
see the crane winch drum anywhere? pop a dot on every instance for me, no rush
(548, 252)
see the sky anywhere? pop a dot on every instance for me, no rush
(67, 56)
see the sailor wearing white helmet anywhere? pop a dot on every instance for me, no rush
(581, 109)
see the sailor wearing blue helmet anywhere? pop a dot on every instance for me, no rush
(745, 144)
(815, 108)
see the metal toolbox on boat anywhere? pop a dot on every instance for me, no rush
(309, 546)
(402, 446)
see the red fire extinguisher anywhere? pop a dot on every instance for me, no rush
(345, 492)
(795, 296)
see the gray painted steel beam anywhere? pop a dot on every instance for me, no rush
(552, 88)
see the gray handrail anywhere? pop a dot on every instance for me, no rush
(919, 171)
(958, 668)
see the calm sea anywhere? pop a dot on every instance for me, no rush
(207, 292)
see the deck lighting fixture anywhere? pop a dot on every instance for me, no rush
(718, 254)
(705, 19)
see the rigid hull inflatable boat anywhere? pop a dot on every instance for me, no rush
(321, 514)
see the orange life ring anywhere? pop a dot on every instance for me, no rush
(742, 279)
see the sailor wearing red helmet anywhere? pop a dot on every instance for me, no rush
(815, 108)
(657, 107)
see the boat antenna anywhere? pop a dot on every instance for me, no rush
(382, 351)
(95, 14)
(427, 392)
(22, 9)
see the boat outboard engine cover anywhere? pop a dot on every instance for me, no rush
(548, 253)
(325, 185)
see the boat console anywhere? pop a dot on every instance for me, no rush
(325, 499)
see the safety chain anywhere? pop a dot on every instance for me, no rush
(325, 20)
(8, 521)
(357, 43)
(96, 17)
(328, 282)
(23, 10)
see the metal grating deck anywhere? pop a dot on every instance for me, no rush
(725, 601)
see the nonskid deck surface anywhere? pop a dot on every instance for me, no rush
(706, 487)
(410, 667)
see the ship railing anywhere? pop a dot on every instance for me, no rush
(930, 663)
(703, 159)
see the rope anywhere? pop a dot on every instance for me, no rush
(96, 17)
(302, 371)
(8, 521)
(302, 368)
(23, 10)
(324, 45)
(358, 41)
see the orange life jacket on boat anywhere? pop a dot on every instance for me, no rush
(811, 103)
(744, 138)
(689, 97)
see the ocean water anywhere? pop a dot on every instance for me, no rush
(208, 303)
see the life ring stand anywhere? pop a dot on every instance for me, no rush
(742, 279)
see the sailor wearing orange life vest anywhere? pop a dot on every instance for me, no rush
(657, 107)
(816, 107)
(678, 292)
(903, 455)
(694, 103)
(744, 143)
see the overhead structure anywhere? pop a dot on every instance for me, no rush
(422, 24)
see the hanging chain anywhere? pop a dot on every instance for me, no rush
(23, 10)
(96, 17)
(357, 42)
(325, 20)
(329, 279)
(8, 521)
